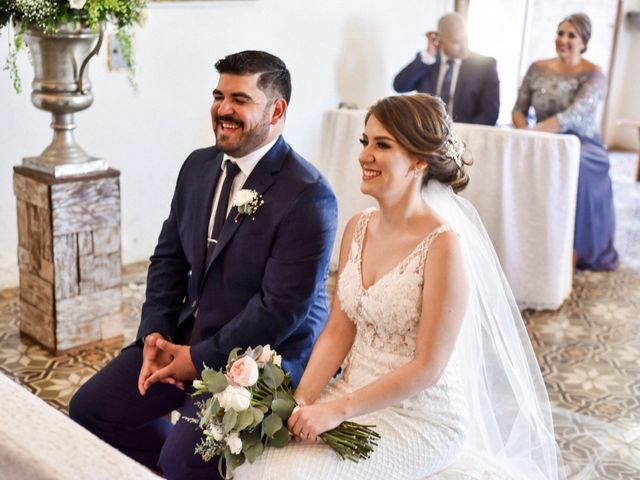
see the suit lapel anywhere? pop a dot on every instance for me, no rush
(261, 178)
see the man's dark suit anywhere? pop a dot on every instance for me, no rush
(265, 283)
(477, 94)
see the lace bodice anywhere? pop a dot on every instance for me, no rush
(384, 323)
(574, 97)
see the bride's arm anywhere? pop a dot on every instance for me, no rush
(444, 301)
(334, 342)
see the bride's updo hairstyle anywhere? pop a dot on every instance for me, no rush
(420, 124)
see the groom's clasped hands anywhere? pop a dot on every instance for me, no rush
(166, 362)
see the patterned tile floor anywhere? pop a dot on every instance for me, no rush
(589, 351)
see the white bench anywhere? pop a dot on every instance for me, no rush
(39, 442)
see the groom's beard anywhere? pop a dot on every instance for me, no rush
(241, 142)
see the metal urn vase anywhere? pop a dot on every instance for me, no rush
(61, 86)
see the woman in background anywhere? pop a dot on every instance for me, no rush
(566, 93)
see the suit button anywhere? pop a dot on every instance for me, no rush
(194, 304)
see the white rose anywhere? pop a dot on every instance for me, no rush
(77, 4)
(266, 354)
(234, 443)
(237, 398)
(242, 197)
(277, 360)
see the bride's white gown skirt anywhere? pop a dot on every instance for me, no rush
(420, 437)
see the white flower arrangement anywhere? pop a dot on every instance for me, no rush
(247, 202)
(248, 404)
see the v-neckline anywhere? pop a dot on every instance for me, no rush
(394, 268)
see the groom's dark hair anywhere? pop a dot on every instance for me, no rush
(275, 79)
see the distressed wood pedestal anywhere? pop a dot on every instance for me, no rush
(69, 258)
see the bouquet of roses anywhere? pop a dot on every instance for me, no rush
(250, 403)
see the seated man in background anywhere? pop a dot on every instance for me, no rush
(466, 81)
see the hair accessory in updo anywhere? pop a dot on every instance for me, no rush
(454, 149)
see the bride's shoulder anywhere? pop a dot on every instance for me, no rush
(442, 230)
(355, 226)
(442, 239)
(357, 222)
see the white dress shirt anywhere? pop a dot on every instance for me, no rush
(429, 60)
(246, 164)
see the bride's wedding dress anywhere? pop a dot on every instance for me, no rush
(486, 418)
(420, 436)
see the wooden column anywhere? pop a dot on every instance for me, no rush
(69, 258)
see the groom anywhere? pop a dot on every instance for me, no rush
(219, 278)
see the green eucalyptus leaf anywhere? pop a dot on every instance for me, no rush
(233, 461)
(216, 382)
(245, 418)
(253, 451)
(229, 420)
(211, 410)
(250, 437)
(273, 376)
(280, 438)
(258, 416)
(271, 424)
(283, 406)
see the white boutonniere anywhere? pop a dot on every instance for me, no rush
(247, 202)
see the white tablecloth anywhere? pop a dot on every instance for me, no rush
(523, 184)
(39, 442)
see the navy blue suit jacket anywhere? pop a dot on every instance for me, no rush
(477, 95)
(266, 282)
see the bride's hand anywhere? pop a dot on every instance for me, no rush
(309, 421)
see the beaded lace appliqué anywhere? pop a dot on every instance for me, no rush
(387, 313)
(575, 98)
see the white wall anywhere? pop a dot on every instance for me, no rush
(625, 94)
(490, 34)
(336, 51)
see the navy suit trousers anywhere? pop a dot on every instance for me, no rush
(110, 406)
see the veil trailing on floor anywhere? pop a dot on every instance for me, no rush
(508, 407)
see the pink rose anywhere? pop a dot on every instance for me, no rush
(244, 371)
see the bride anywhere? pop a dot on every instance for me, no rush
(434, 350)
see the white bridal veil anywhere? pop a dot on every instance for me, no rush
(508, 406)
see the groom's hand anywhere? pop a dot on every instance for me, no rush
(179, 369)
(153, 359)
